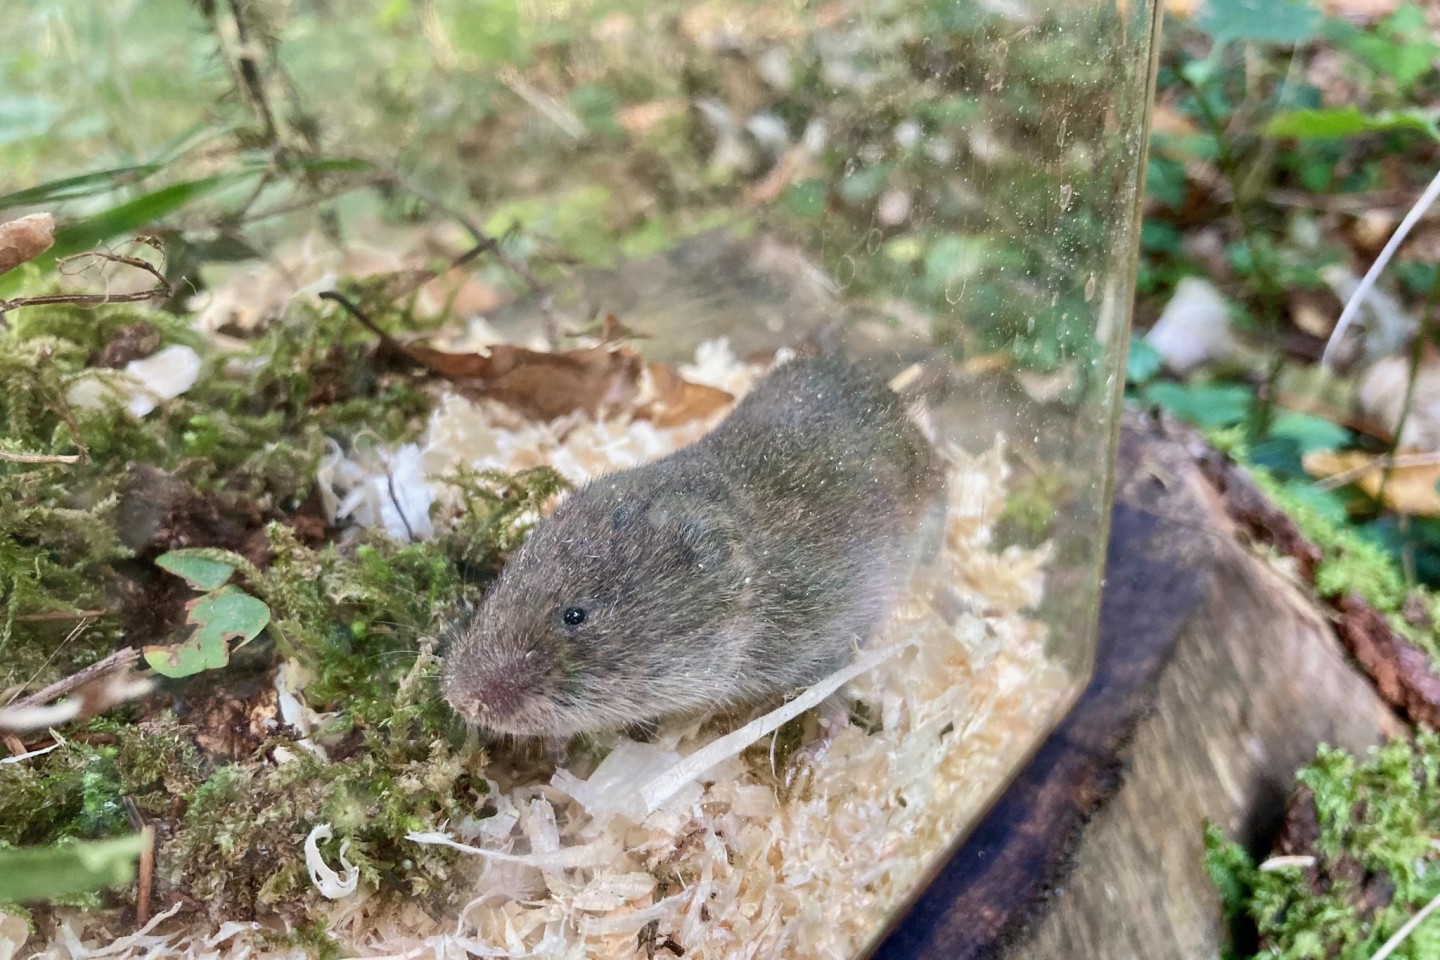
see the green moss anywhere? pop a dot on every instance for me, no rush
(241, 842)
(1376, 819)
(357, 622)
(312, 936)
(1349, 562)
(1030, 506)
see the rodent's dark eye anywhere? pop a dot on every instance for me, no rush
(573, 616)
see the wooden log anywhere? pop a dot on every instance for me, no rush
(1221, 675)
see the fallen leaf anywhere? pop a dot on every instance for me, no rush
(546, 385)
(1194, 328)
(608, 332)
(457, 293)
(642, 117)
(227, 725)
(789, 165)
(1380, 397)
(25, 239)
(678, 401)
(1361, 11)
(1408, 490)
(1371, 230)
(1313, 312)
(1168, 120)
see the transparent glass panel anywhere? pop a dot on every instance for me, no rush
(743, 702)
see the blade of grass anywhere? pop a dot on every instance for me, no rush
(84, 185)
(1352, 306)
(127, 218)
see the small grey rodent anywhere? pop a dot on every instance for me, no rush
(732, 571)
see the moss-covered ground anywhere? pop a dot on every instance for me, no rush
(355, 619)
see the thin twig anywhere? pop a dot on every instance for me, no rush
(61, 406)
(543, 299)
(61, 615)
(395, 499)
(145, 875)
(118, 660)
(161, 291)
(1268, 289)
(1417, 356)
(1405, 931)
(1383, 462)
(249, 73)
(40, 457)
(386, 340)
(75, 631)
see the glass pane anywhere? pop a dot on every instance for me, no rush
(738, 699)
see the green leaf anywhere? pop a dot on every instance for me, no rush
(1285, 22)
(595, 106)
(494, 31)
(220, 617)
(30, 874)
(1166, 181)
(1348, 122)
(1206, 405)
(127, 219)
(1310, 432)
(135, 215)
(201, 572)
(334, 165)
(69, 188)
(1142, 363)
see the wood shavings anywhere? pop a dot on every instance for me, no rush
(331, 884)
(702, 761)
(143, 384)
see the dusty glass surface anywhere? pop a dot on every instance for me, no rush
(944, 190)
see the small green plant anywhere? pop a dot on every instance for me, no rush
(222, 614)
(32, 874)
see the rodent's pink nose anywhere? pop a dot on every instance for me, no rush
(496, 696)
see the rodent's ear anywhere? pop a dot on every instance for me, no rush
(709, 536)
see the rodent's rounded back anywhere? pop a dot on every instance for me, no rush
(742, 566)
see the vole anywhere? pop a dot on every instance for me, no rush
(749, 564)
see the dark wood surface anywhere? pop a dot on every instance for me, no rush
(1215, 679)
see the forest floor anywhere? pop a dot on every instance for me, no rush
(194, 501)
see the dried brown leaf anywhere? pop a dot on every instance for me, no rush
(678, 401)
(546, 385)
(1408, 488)
(25, 239)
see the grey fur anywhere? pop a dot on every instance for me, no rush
(735, 570)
